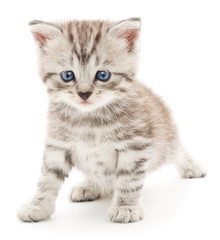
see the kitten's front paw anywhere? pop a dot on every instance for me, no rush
(84, 193)
(31, 212)
(194, 171)
(125, 214)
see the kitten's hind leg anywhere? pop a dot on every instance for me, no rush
(85, 191)
(186, 166)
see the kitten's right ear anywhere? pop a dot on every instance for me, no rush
(44, 31)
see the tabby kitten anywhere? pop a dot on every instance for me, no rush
(101, 119)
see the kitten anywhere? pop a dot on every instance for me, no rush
(101, 119)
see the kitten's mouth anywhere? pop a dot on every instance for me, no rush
(85, 102)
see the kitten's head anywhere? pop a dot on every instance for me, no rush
(87, 64)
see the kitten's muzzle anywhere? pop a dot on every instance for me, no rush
(84, 95)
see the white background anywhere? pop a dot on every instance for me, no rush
(180, 59)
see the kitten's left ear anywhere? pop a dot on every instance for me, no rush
(44, 31)
(128, 30)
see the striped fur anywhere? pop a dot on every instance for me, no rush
(123, 132)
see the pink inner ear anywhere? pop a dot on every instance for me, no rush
(130, 35)
(42, 38)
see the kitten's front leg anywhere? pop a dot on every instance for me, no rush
(130, 177)
(57, 164)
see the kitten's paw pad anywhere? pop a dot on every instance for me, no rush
(83, 194)
(34, 213)
(125, 214)
(195, 171)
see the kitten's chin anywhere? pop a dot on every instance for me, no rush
(83, 106)
(86, 106)
(90, 106)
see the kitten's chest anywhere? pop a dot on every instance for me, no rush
(95, 157)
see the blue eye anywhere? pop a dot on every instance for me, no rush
(67, 76)
(103, 75)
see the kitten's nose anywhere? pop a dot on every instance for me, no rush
(85, 95)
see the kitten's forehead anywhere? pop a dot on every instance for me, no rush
(85, 31)
(85, 37)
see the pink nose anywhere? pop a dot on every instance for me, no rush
(85, 95)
